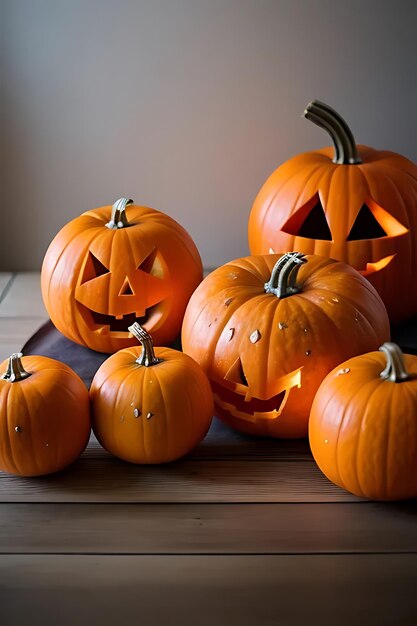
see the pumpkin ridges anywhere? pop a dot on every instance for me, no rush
(44, 432)
(61, 279)
(7, 434)
(23, 402)
(160, 389)
(263, 210)
(380, 442)
(278, 202)
(217, 352)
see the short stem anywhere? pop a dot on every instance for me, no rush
(284, 275)
(15, 370)
(147, 356)
(346, 152)
(395, 369)
(118, 217)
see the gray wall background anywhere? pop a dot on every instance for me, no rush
(185, 105)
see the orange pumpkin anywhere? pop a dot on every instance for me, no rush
(353, 203)
(112, 266)
(363, 425)
(267, 330)
(150, 406)
(44, 415)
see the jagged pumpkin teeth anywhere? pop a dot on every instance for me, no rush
(128, 264)
(265, 379)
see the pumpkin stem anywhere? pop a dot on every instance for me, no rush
(118, 217)
(284, 275)
(324, 116)
(395, 369)
(15, 370)
(147, 356)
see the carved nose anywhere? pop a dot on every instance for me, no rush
(126, 289)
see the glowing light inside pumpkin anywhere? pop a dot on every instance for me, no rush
(240, 402)
(377, 266)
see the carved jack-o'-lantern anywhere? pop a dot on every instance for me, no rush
(354, 204)
(116, 265)
(268, 329)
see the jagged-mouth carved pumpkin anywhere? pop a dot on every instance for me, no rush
(113, 298)
(350, 203)
(114, 266)
(267, 329)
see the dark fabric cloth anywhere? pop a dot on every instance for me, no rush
(48, 341)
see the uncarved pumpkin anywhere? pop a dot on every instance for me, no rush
(150, 405)
(363, 425)
(44, 415)
(114, 265)
(267, 329)
(351, 203)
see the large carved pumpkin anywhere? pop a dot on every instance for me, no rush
(267, 330)
(116, 265)
(351, 203)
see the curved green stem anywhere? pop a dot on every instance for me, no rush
(395, 369)
(284, 275)
(118, 217)
(15, 370)
(147, 356)
(321, 114)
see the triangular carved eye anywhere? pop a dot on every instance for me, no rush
(235, 374)
(309, 222)
(366, 226)
(147, 264)
(93, 268)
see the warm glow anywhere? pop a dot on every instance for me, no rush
(371, 268)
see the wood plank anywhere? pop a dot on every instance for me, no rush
(221, 442)
(8, 346)
(110, 480)
(207, 528)
(376, 590)
(5, 278)
(24, 298)
(14, 333)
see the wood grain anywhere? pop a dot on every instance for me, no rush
(5, 278)
(208, 590)
(207, 529)
(110, 480)
(24, 298)
(223, 443)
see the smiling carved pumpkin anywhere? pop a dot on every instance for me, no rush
(114, 266)
(350, 203)
(268, 329)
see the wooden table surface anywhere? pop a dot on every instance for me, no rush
(243, 531)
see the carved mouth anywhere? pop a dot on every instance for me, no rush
(377, 266)
(370, 268)
(254, 408)
(117, 325)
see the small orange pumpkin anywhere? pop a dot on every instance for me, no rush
(150, 405)
(114, 265)
(363, 425)
(267, 330)
(44, 415)
(353, 203)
